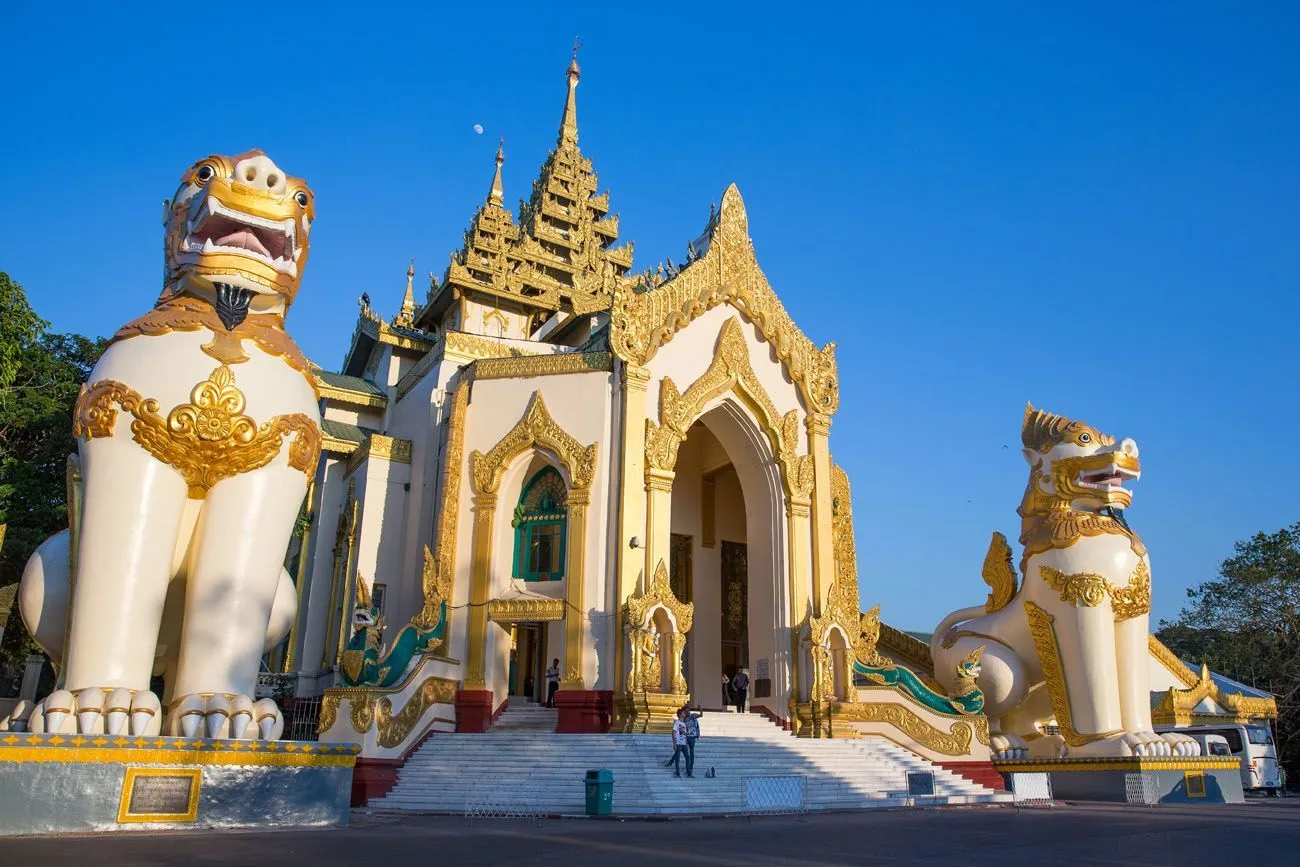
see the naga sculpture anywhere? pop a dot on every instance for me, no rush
(364, 663)
(198, 432)
(964, 697)
(1070, 643)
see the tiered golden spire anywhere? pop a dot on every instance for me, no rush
(496, 195)
(406, 318)
(559, 255)
(569, 121)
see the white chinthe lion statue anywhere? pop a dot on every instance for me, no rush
(1069, 646)
(198, 431)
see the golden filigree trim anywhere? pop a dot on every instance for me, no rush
(1049, 657)
(537, 427)
(641, 322)
(374, 709)
(187, 313)
(730, 371)
(955, 742)
(453, 470)
(1090, 590)
(206, 440)
(543, 365)
(525, 610)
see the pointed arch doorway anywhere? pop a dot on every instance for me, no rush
(728, 558)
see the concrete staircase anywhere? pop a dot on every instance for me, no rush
(523, 765)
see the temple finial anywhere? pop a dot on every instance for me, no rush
(569, 124)
(406, 318)
(496, 195)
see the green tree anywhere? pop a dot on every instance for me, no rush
(1246, 624)
(40, 377)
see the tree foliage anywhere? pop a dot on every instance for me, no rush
(41, 374)
(1246, 624)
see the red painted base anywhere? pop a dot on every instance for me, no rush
(584, 711)
(977, 772)
(473, 710)
(771, 715)
(373, 778)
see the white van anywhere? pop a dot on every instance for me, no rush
(1252, 744)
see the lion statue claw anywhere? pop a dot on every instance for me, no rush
(197, 434)
(1064, 668)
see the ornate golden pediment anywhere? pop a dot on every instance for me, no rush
(638, 608)
(641, 322)
(730, 372)
(536, 428)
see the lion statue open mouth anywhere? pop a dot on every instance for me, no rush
(1068, 646)
(198, 431)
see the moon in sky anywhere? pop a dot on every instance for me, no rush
(478, 129)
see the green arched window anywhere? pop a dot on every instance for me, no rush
(541, 525)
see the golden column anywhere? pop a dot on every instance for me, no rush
(485, 509)
(659, 502)
(576, 604)
(632, 500)
(797, 510)
(823, 538)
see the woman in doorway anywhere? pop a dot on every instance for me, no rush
(726, 691)
(552, 682)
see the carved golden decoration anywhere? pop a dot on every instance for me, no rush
(640, 606)
(392, 449)
(1170, 661)
(543, 365)
(394, 728)
(476, 347)
(954, 742)
(730, 371)
(187, 313)
(999, 574)
(1133, 600)
(1062, 528)
(525, 610)
(453, 470)
(534, 429)
(351, 396)
(206, 440)
(1043, 631)
(436, 590)
(329, 711)
(1179, 706)
(643, 321)
(1090, 589)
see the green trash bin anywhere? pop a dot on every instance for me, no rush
(600, 792)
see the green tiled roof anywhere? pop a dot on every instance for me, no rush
(351, 383)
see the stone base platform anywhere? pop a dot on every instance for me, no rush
(59, 784)
(1135, 779)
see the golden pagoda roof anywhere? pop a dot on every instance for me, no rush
(561, 253)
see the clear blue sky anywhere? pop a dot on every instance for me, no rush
(1097, 210)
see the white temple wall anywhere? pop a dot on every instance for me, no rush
(380, 538)
(581, 404)
(315, 619)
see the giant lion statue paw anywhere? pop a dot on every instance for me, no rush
(96, 710)
(1147, 744)
(1008, 747)
(220, 715)
(1182, 745)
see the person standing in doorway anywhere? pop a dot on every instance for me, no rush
(740, 689)
(552, 682)
(726, 691)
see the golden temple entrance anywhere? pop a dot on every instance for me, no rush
(735, 608)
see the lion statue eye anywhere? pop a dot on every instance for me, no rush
(301, 198)
(1085, 438)
(205, 173)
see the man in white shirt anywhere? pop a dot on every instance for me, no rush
(679, 745)
(552, 682)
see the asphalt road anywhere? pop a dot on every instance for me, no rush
(1259, 832)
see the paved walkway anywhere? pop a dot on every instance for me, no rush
(1259, 832)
